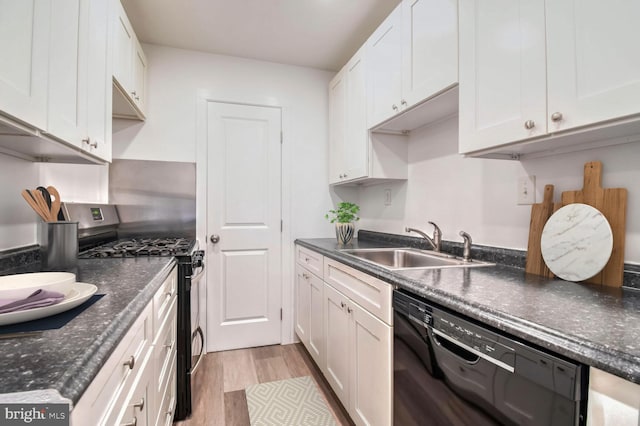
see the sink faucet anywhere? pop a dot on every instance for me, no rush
(466, 253)
(435, 242)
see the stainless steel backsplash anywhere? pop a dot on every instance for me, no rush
(154, 197)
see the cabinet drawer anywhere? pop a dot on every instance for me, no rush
(163, 299)
(167, 405)
(369, 292)
(164, 348)
(109, 388)
(309, 259)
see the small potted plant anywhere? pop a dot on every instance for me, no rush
(343, 217)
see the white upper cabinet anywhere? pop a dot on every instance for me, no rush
(24, 48)
(429, 48)
(337, 129)
(79, 101)
(593, 63)
(129, 69)
(412, 56)
(502, 72)
(349, 138)
(560, 75)
(68, 71)
(384, 69)
(356, 155)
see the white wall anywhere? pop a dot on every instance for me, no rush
(479, 195)
(75, 182)
(176, 78)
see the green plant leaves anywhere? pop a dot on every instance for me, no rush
(345, 213)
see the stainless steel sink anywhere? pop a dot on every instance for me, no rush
(408, 258)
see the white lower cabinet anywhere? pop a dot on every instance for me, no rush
(309, 324)
(349, 334)
(137, 383)
(359, 361)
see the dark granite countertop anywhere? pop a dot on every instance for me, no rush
(67, 359)
(595, 325)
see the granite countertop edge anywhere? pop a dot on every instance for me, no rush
(626, 366)
(77, 378)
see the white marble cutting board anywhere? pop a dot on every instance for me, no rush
(576, 242)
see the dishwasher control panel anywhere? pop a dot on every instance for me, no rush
(474, 337)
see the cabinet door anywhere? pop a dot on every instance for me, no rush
(24, 48)
(592, 60)
(384, 69)
(123, 38)
(337, 112)
(99, 77)
(68, 72)
(139, 76)
(316, 319)
(429, 48)
(337, 342)
(371, 368)
(356, 143)
(303, 297)
(502, 72)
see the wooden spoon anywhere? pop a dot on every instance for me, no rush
(26, 194)
(42, 203)
(55, 201)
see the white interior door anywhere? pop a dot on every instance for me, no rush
(244, 212)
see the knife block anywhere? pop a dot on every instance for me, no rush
(58, 246)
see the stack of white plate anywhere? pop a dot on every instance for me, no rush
(20, 286)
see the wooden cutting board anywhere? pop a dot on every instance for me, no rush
(612, 203)
(540, 213)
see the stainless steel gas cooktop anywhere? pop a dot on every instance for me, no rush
(140, 247)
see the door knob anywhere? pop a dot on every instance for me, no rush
(215, 239)
(529, 124)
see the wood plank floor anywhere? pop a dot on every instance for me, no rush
(219, 387)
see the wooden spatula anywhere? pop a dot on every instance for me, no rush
(55, 201)
(30, 199)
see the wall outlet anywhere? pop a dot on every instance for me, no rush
(387, 197)
(527, 190)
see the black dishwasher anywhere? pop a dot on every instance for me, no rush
(451, 371)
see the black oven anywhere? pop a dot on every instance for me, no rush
(452, 371)
(190, 339)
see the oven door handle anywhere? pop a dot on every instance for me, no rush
(199, 275)
(195, 367)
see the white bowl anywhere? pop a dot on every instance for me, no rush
(20, 286)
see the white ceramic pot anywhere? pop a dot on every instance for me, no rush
(344, 232)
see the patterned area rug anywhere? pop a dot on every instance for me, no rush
(288, 402)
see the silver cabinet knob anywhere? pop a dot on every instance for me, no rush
(340, 176)
(345, 175)
(305, 276)
(556, 116)
(394, 107)
(130, 362)
(215, 239)
(133, 422)
(140, 405)
(529, 124)
(403, 102)
(342, 305)
(86, 141)
(349, 310)
(137, 98)
(133, 93)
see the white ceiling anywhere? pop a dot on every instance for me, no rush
(320, 34)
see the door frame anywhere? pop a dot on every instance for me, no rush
(203, 98)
